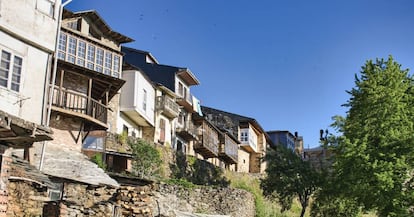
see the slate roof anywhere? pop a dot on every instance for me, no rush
(22, 170)
(63, 162)
(158, 73)
(230, 121)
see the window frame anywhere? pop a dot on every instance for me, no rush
(11, 73)
(144, 100)
(93, 56)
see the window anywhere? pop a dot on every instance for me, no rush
(75, 25)
(180, 89)
(117, 61)
(10, 71)
(91, 57)
(244, 135)
(71, 49)
(4, 68)
(62, 46)
(46, 7)
(144, 101)
(17, 71)
(125, 130)
(108, 63)
(94, 142)
(181, 118)
(81, 53)
(99, 59)
(162, 130)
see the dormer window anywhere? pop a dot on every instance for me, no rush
(74, 24)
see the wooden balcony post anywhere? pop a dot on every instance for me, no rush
(60, 95)
(89, 102)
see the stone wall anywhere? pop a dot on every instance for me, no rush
(25, 199)
(28, 199)
(206, 200)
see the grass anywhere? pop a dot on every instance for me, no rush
(264, 207)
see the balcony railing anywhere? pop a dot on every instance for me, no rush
(187, 130)
(168, 107)
(80, 104)
(208, 142)
(228, 149)
(186, 101)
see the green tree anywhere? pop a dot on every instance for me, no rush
(146, 159)
(288, 177)
(375, 156)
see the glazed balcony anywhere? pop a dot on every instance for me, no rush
(79, 105)
(208, 142)
(167, 106)
(186, 130)
(228, 150)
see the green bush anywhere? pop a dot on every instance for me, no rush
(97, 158)
(146, 159)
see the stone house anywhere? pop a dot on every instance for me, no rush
(253, 139)
(83, 95)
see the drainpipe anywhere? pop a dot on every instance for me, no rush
(49, 110)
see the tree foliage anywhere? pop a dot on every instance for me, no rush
(375, 155)
(288, 177)
(146, 159)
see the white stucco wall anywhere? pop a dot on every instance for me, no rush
(132, 95)
(168, 130)
(132, 127)
(28, 102)
(27, 31)
(26, 19)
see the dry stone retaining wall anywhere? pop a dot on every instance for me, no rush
(161, 200)
(207, 200)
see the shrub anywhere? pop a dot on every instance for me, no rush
(146, 159)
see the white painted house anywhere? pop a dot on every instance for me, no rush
(137, 105)
(28, 31)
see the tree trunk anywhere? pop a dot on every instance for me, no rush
(304, 205)
(302, 213)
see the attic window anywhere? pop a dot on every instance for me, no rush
(94, 33)
(75, 25)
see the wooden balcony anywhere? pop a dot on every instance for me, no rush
(187, 130)
(167, 106)
(208, 142)
(77, 104)
(228, 150)
(186, 101)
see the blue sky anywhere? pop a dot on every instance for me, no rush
(285, 63)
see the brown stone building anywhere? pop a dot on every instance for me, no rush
(253, 139)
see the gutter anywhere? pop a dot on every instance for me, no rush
(49, 110)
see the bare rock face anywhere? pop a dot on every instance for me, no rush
(61, 161)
